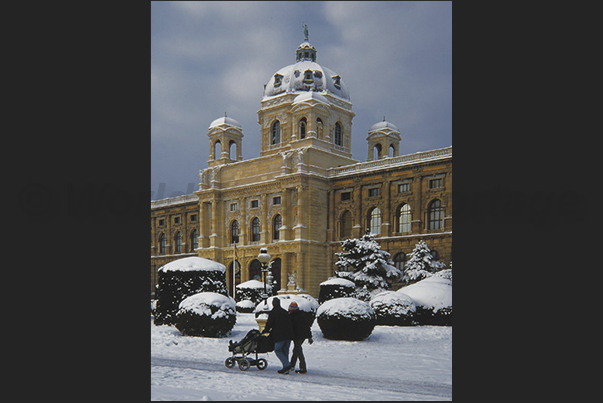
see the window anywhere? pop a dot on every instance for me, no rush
(277, 80)
(435, 183)
(435, 215)
(193, 217)
(435, 254)
(255, 203)
(404, 219)
(255, 270)
(276, 132)
(308, 78)
(178, 242)
(302, 128)
(345, 225)
(375, 221)
(276, 200)
(374, 192)
(346, 196)
(176, 220)
(399, 260)
(277, 222)
(162, 222)
(404, 187)
(234, 232)
(337, 82)
(338, 134)
(233, 206)
(162, 244)
(194, 241)
(255, 230)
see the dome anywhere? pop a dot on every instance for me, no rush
(306, 75)
(225, 121)
(383, 125)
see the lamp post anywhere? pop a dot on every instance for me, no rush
(264, 258)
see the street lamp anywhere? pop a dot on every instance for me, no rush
(264, 258)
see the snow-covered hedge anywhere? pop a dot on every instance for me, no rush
(249, 294)
(307, 305)
(433, 300)
(335, 288)
(182, 278)
(346, 319)
(206, 314)
(393, 308)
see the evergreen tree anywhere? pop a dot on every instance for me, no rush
(363, 262)
(421, 264)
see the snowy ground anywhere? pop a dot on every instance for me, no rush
(395, 363)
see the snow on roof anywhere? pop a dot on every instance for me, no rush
(310, 95)
(193, 263)
(225, 121)
(339, 281)
(432, 292)
(345, 306)
(383, 125)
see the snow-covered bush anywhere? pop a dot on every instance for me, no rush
(346, 319)
(421, 264)
(249, 294)
(182, 278)
(393, 308)
(370, 268)
(433, 300)
(336, 288)
(206, 314)
(307, 305)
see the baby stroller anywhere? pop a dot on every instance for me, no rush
(253, 342)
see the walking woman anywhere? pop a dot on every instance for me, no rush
(301, 331)
(280, 328)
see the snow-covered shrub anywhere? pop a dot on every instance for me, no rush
(182, 278)
(307, 305)
(421, 264)
(206, 314)
(433, 300)
(336, 288)
(393, 308)
(363, 262)
(346, 319)
(251, 291)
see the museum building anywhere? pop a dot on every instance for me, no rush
(305, 193)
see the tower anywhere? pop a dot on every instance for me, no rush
(225, 141)
(383, 140)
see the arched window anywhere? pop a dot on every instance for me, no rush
(234, 232)
(275, 132)
(302, 128)
(338, 134)
(194, 241)
(277, 222)
(376, 152)
(232, 150)
(178, 242)
(255, 270)
(399, 260)
(162, 244)
(392, 151)
(275, 268)
(375, 221)
(404, 218)
(255, 229)
(345, 225)
(217, 149)
(435, 215)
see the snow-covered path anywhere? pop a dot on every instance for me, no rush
(395, 363)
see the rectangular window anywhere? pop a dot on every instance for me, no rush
(233, 207)
(373, 192)
(346, 196)
(255, 203)
(404, 187)
(193, 217)
(435, 183)
(176, 220)
(162, 222)
(276, 200)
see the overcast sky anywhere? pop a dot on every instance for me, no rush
(208, 58)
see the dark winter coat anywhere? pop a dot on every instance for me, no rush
(301, 327)
(279, 323)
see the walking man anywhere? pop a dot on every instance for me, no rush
(281, 329)
(301, 331)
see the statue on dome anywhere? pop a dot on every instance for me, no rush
(305, 31)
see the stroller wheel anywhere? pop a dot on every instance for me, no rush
(262, 363)
(244, 364)
(230, 362)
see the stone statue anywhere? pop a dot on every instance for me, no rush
(292, 279)
(305, 31)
